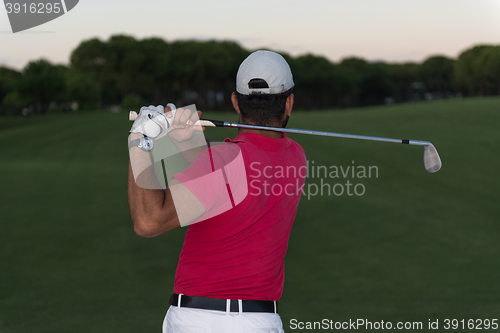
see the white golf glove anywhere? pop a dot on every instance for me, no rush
(152, 121)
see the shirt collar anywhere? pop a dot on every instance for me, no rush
(262, 141)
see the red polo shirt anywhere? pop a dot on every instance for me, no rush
(237, 250)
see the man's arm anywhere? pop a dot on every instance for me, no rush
(152, 211)
(155, 211)
(183, 137)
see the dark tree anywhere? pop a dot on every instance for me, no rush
(42, 83)
(372, 79)
(91, 58)
(438, 74)
(9, 81)
(322, 84)
(469, 74)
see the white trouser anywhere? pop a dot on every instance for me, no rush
(187, 320)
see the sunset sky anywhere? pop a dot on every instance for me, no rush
(390, 30)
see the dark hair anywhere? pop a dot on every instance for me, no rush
(263, 109)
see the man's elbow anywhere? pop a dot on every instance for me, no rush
(145, 229)
(149, 227)
(143, 232)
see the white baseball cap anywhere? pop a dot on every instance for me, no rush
(268, 66)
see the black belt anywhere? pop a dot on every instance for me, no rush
(217, 304)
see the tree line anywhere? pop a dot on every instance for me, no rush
(127, 72)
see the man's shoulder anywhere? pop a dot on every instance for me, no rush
(295, 145)
(289, 145)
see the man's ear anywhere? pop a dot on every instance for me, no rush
(234, 99)
(289, 105)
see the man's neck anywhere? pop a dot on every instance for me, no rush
(269, 134)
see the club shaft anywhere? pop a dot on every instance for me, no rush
(432, 162)
(218, 123)
(320, 133)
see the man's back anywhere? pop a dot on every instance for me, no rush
(239, 204)
(239, 253)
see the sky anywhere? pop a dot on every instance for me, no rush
(389, 30)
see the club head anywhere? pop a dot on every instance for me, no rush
(432, 162)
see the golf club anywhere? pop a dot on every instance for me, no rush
(432, 162)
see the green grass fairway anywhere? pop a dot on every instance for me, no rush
(414, 247)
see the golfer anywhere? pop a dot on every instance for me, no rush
(231, 269)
